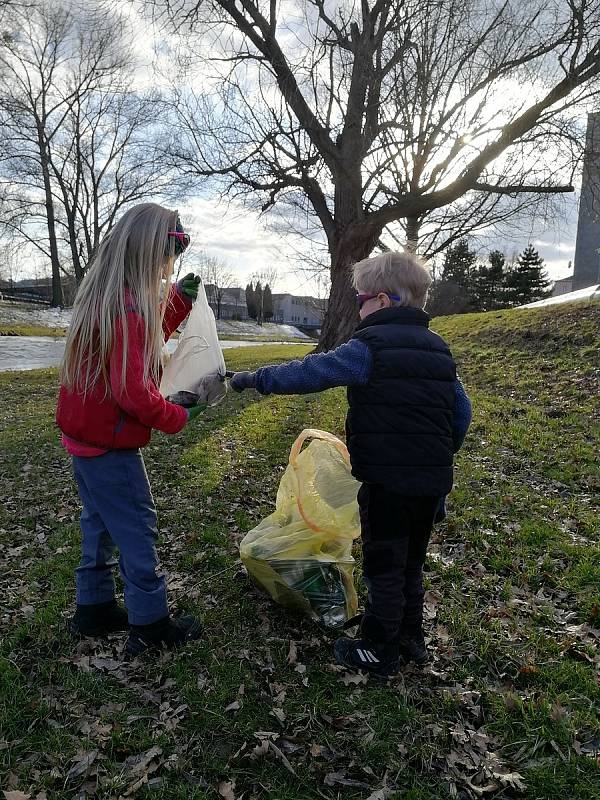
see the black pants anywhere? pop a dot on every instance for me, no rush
(395, 534)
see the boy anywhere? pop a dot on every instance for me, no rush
(408, 414)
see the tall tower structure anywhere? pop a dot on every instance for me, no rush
(586, 270)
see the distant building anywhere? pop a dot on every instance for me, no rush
(227, 303)
(562, 286)
(303, 312)
(587, 250)
(37, 290)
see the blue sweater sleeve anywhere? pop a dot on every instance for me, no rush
(349, 364)
(462, 415)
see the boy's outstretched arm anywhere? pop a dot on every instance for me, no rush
(462, 415)
(349, 364)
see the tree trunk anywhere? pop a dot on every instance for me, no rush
(341, 317)
(413, 225)
(57, 293)
(75, 253)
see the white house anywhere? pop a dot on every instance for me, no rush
(303, 311)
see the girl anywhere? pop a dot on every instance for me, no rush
(108, 404)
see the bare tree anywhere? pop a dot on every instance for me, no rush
(267, 277)
(47, 60)
(76, 139)
(217, 278)
(9, 264)
(385, 115)
(105, 159)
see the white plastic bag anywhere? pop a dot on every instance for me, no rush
(197, 366)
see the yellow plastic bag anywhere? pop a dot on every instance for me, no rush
(302, 553)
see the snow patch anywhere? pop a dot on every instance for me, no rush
(24, 314)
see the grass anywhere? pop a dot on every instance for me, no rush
(508, 707)
(18, 329)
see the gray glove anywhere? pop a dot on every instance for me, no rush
(242, 380)
(212, 388)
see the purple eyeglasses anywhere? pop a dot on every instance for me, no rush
(361, 299)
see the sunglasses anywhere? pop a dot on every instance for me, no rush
(361, 299)
(182, 241)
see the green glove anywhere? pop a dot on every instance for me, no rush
(188, 285)
(194, 411)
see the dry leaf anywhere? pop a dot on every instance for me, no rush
(528, 669)
(340, 779)
(261, 749)
(16, 795)
(293, 653)
(282, 757)
(381, 794)
(279, 714)
(108, 664)
(225, 789)
(235, 706)
(137, 765)
(82, 765)
(354, 678)
(512, 779)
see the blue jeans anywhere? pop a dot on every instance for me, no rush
(118, 511)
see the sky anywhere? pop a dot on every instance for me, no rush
(241, 239)
(246, 243)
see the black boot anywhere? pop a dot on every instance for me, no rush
(412, 648)
(380, 660)
(98, 619)
(168, 632)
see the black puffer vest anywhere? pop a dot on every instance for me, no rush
(399, 426)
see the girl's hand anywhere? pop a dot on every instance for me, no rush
(188, 285)
(194, 411)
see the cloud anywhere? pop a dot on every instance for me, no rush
(554, 239)
(241, 238)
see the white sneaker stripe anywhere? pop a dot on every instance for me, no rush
(372, 657)
(362, 655)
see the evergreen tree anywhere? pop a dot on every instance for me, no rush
(527, 281)
(251, 301)
(487, 288)
(452, 293)
(459, 263)
(268, 310)
(259, 301)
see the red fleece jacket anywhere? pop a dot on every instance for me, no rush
(123, 417)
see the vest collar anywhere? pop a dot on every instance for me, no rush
(396, 315)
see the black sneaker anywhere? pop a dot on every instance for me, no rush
(381, 661)
(168, 632)
(413, 649)
(98, 619)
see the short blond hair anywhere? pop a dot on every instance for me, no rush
(402, 274)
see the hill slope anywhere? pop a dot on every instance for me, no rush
(506, 709)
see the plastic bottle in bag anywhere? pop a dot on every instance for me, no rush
(302, 553)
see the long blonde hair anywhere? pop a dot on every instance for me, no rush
(135, 255)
